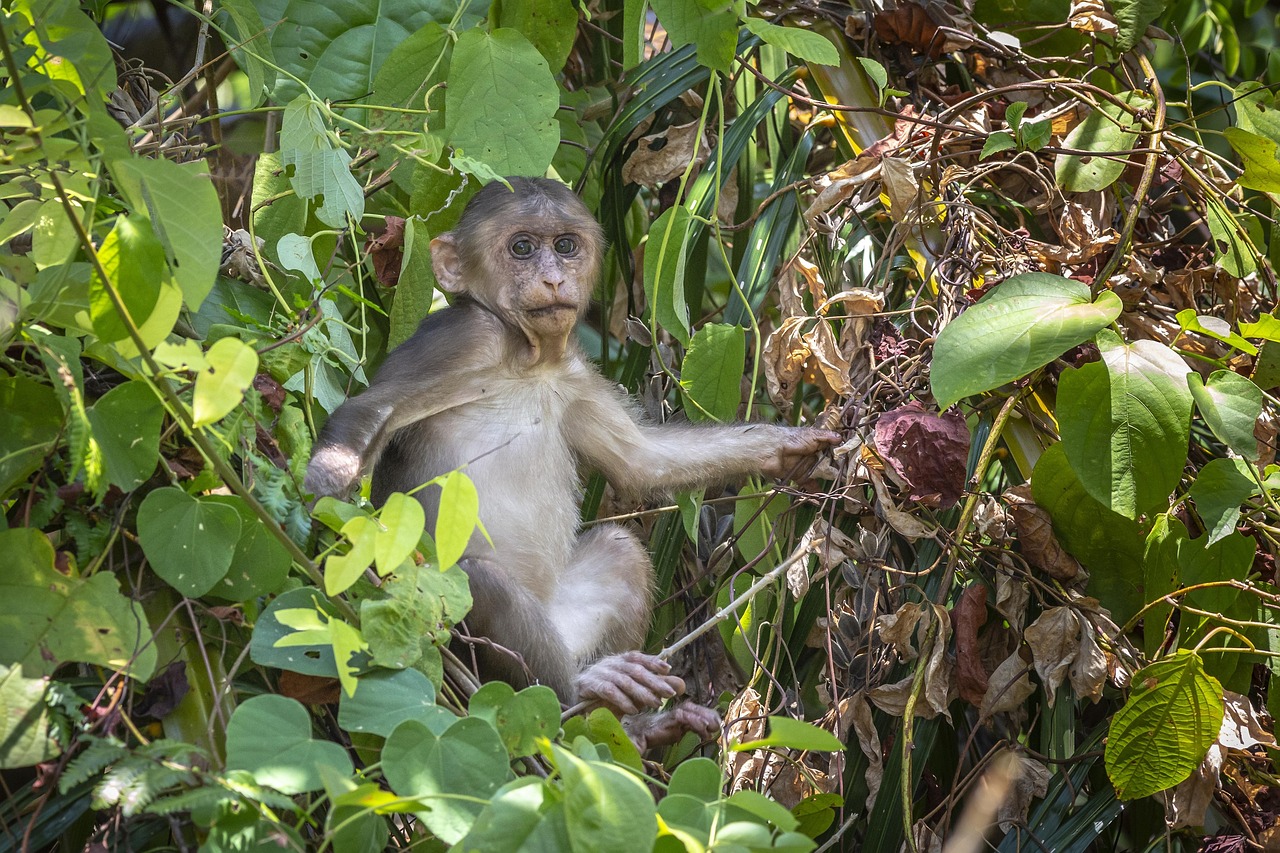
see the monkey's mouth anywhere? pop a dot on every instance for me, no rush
(553, 309)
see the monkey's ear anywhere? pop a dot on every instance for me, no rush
(446, 263)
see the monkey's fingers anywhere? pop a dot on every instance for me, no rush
(627, 684)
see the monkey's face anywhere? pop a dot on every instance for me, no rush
(539, 272)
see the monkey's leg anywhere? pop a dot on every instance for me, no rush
(509, 616)
(603, 609)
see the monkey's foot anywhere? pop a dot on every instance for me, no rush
(629, 683)
(667, 727)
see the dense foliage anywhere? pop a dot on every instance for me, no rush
(1020, 254)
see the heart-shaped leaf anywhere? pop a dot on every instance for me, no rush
(521, 718)
(232, 366)
(1125, 423)
(270, 736)
(1230, 404)
(189, 541)
(1023, 324)
(467, 759)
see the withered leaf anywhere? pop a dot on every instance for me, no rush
(1039, 546)
(387, 251)
(927, 451)
(968, 615)
(663, 156)
(1007, 688)
(309, 689)
(909, 25)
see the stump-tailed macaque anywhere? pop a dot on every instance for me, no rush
(497, 384)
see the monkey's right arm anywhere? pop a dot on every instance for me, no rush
(441, 367)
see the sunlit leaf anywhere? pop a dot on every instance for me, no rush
(1022, 324)
(1165, 728)
(220, 388)
(270, 736)
(1230, 404)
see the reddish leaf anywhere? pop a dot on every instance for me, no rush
(928, 451)
(309, 689)
(387, 250)
(970, 614)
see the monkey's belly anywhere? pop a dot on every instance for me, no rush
(524, 473)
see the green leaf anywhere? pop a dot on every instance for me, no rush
(1021, 325)
(126, 424)
(220, 388)
(190, 542)
(1034, 134)
(521, 718)
(1125, 423)
(664, 260)
(260, 563)
(457, 518)
(251, 51)
(602, 727)
(1108, 133)
(1200, 561)
(501, 103)
(605, 806)
(321, 167)
(1266, 327)
(343, 570)
(1160, 575)
(69, 45)
(1232, 250)
(551, 25)
(803, 44)
(315, 658)
(467, 759)
(1133, 17)
(1258, 154)
(1218, 491)
(185, 214)
(1256, 111)
(337, 48)
(1013, 114)
(270, 736)
(524, 816)
(1230, 405)
(711, 375)
(386, 698)
(412, 612)
(1214, 327)
(1165, 729)
(29, 731)
(1109, 545)
(756, 803)
(417, 283)
(415, 65)
(709, 25)
(404, 520)
(134, 262)
(699, 778)
(790, 733)
(30, 419)
(997, 142)
(48, 619)
(312, 626)
(876, 72)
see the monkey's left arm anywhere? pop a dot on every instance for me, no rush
(644, 458)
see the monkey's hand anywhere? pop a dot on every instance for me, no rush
(333, 470)
(667, 727)
(795, 445)
(629, 683)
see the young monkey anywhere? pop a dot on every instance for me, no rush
(497, 383)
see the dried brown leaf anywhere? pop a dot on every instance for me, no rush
(664, 156)
(901, 186)
(1030, 781)
(387, 250)
(1007, 688)
(968, 615)
(1040, 547)
(1054, 639)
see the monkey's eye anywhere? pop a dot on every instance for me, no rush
(522, 248)
(566, 245)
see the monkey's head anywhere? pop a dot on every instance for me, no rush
(530, 254)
